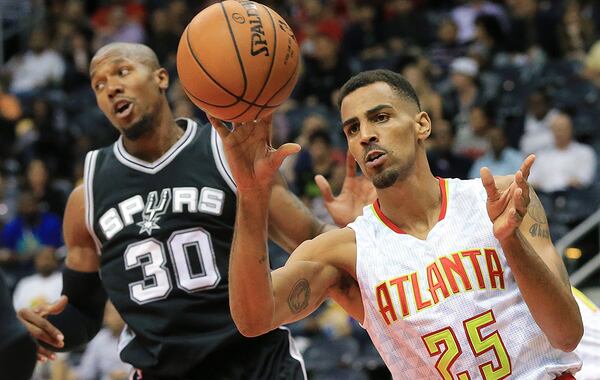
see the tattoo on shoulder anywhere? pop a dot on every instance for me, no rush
(536, 211)
(299, 296)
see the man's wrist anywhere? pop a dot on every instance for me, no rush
(512, 241)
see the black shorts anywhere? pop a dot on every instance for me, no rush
(269, 358)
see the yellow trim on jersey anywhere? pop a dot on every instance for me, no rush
(583, 298)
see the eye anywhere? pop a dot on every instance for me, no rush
(382, 117)
(123, 71)
(352, 129)
(99, 86)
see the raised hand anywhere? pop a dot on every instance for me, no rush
(252, 159)
(507, 208)
(38, 326)
(357, 192)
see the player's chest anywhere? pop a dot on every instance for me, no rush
(151, 210)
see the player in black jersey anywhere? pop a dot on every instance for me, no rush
(151, 228)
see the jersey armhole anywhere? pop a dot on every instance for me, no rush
(216, 145)
(88, 190)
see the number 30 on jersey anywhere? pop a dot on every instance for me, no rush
(150, 255)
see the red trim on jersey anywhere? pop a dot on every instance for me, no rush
(566, 376)
(385, 219)
(443, 189)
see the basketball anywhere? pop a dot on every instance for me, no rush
(238, 60)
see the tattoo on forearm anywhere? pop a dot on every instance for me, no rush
(540, 226)
(298, 299)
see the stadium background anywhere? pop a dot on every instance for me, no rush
(492, 75)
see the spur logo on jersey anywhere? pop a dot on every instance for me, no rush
(407, 295)
(148, 214)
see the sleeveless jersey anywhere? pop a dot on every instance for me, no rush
(448, 307)
(589, 347)
(164, 232)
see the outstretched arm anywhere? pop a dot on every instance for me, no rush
(260, 301)
(77, 316)
(521, 227)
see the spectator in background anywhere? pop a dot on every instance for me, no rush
(119, 28)
(10, 112)
(463, 93)
(533, 27)
(500, 159)
(591, 68)
(27, 234)
(162, 38)
(38, 68)
(8, 198)
(38, 183)
(443, 161)
(318, 158)
(568, 164)
(101, 360)
(431, 101)
(44, 286)
(576, 32)
(133, 9)
(363, 36)
(324, 73)
(446, 49)
(489, 40)
(465, 15)
(404, 24)
(472, 141)
(537, 134)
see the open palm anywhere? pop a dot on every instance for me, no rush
(356, 193)
(252, 159)
(507, 208)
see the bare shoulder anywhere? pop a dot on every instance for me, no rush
(504, 181)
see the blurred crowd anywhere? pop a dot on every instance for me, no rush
(500, 79)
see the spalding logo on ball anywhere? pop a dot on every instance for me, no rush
(238, 60)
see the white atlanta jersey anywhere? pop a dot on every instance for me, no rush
(448, 307)
(589, 347)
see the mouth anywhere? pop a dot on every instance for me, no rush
(122, 108)
(375, 158)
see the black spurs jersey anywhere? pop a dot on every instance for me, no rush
(164, 232)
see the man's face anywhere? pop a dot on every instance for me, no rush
(381, 130)
(538, 106)
(128, 92)
(562, 130)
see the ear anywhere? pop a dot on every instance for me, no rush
(162, 78)
(423, 125)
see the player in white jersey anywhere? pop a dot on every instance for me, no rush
(589, 347)
(452, 279)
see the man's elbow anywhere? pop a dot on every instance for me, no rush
(569, 341)
(251, 330)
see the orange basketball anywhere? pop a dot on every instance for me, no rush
(238, 60)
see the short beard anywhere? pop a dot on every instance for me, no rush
(139, 129)
(390, 176)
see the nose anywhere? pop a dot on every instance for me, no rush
(114, 88)
(368, 135)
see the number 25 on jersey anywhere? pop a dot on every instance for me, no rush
(444, 343)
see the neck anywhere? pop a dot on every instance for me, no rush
(413, 204)
(159, 140)
(467, 94)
